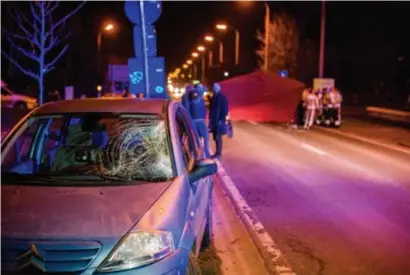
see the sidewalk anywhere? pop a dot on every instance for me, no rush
(231, 240)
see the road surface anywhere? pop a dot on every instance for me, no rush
(333, 205)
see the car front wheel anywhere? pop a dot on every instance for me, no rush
(206, 239)
(193, 266)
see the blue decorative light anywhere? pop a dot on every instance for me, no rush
(283, 73)
(159, 89)
(136, 77)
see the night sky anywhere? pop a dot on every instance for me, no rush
(363, 43)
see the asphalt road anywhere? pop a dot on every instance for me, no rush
(333, 205)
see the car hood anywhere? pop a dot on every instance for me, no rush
(37, 211)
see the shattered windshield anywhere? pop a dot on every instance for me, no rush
(90, 147)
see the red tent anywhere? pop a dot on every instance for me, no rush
(262, 97)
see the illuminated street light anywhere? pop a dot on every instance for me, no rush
(105, 28)
(209, 38)
(185, 66)
(195, 54)
(189, 61)
(221, 27)
(201, 48)
(226, 74)
(109, 27)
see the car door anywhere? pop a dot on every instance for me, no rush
(192, 152)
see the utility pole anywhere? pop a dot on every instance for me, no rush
(322, 40)
(267, 23)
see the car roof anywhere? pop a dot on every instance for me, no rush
(99, 105)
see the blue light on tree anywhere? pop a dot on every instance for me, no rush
(136, 77)
(159, 89)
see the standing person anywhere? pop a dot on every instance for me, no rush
(186, 96)
(311, 104)
(217, 117)
(197, 109)
(319, 111)
(336, 99)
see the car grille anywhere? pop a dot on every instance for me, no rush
(30, 258)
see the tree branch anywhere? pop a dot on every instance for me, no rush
(23, 51)
(34, 12)
(50, 66)
(29, 36)
(26, 72)
(64, 19)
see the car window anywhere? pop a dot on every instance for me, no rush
(20, 151)
(186, 139)
(127, 147)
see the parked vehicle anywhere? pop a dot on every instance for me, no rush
(10, 99)
(109, 187)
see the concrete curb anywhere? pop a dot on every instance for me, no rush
(274, 260)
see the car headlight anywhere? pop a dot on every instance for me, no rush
(138, 249)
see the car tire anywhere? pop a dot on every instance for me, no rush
(193, 265)
(207, 237)
(21, 106)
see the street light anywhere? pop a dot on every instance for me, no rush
(185, 66)
(211, 39)
(201, 48)
(189, 61)
(105, 28)
(267, 23)
(221, 27)
(224, 27)
(195, 54)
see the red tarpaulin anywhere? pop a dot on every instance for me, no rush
(262, 97)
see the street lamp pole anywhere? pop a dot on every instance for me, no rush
(236, 47)
(203, 68)
(322, 39)
(210, 58)
(267, 23)
(221, 52)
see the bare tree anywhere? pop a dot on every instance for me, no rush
(36, 37)
(283, 44)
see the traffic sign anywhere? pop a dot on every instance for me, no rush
(156, 77)
(152, 11)
(151, 41)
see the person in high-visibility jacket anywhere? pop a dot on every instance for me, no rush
(311, 104)
(319, 111)
(336, 101)
(327, 106)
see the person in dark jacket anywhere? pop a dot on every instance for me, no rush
(197, 109)
(185, 98)
(217, 117)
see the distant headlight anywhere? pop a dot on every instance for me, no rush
(138, 249)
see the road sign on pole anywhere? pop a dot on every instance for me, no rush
(146, 70)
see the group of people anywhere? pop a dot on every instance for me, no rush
(193, 101)
(320, 106)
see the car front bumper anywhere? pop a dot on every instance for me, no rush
(174, 264)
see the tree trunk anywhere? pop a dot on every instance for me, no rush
(41, 57)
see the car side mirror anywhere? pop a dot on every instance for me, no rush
(202, 169)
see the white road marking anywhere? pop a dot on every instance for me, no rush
(313, 149)
(271, 253)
